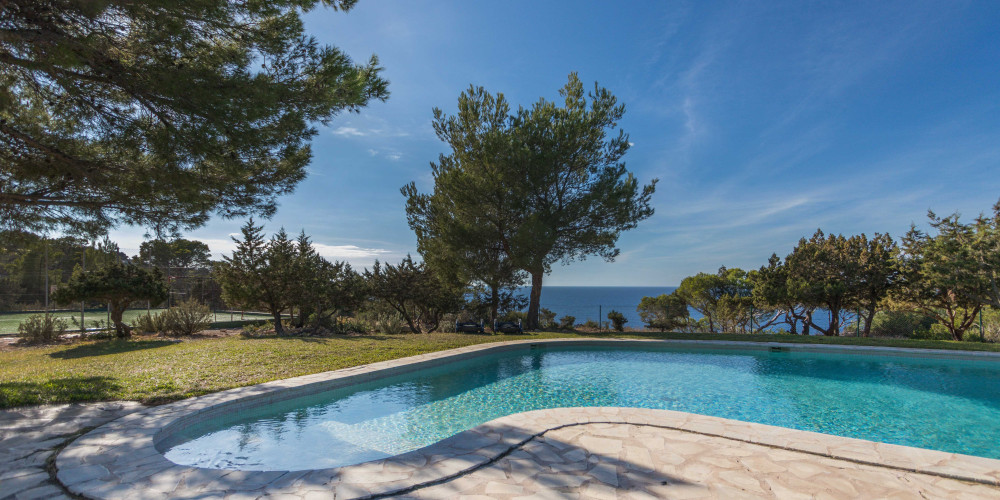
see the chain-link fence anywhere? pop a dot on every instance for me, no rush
(100, 319)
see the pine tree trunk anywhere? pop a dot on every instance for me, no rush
(868, 322)
(494, 304)
(122, 330)
(278, 329)
(534, 300)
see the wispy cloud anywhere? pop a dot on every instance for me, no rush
(350, 252)
(388, 154)
(372, 127)
(350, 132)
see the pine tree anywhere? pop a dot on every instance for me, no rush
(162, 112)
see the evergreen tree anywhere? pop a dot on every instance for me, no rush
(418, 293)
(161, 112)
(260, 274)
(663, 313)
(544, 184)
(942, 276)
(117, 284)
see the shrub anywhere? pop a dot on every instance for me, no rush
(591, 325)
(567, 322)
(354, 325)
(388, 322)
(546, 319)
(187, 318)
(254, 330)
(665, 312)
(149, 323)
(617, 320)
(515, 316)
(41, 329)
(900, 324)
(937, 331)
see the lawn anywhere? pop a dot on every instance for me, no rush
(157, 370)
(10, 321)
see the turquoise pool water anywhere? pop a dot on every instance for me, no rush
(948, 405)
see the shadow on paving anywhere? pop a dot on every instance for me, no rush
(18, 393)
(110, 347)
(545, 464)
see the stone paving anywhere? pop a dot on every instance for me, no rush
(28, 436)
(609, 461)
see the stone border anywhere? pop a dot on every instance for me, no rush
(122, 459)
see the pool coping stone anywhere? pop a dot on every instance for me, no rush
(123, 459)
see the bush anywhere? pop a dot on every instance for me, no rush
(937, 331)
(388, 322)
(567, 322)
(546, 319)
(353, 325)
(515, 316)
(254, 330)
(591, 325)
(41, 329)
(187, 318)
(900, 324)
(617, 320)
(148, 323)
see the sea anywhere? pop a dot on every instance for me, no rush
(593, 302)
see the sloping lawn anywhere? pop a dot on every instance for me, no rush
(156, 370)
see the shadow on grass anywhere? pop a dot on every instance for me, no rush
(58, 390)
(110, 347)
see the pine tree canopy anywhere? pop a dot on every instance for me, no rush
(162, 112)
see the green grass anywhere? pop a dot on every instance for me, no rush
(10, 321)
(156, 370)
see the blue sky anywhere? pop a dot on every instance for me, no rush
(762, 120)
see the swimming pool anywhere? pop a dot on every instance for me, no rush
(943, 404)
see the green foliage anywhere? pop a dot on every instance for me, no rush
(420, 294)
(41, 329)
(457, 225)
(724, 299)
(943, 276)
(149, 323)
(185, 319)
(161, 112)
(838, 274)
(116, 284)
(177, 253)
(388, 322)
(256, 330)
(523, 190)
(567, 322)
(900, 323)
(617, 320)
(546, 319)
(663, 313)
(591, 325)
(324, 289)
(281, 274)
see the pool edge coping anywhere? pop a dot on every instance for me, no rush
(122, 458)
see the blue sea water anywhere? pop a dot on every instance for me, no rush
(593, 302)
(942, 404)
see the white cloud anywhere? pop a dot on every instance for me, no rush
(392, 155)
(349, 132)
(349, 252)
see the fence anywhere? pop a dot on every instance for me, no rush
(99, 319)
